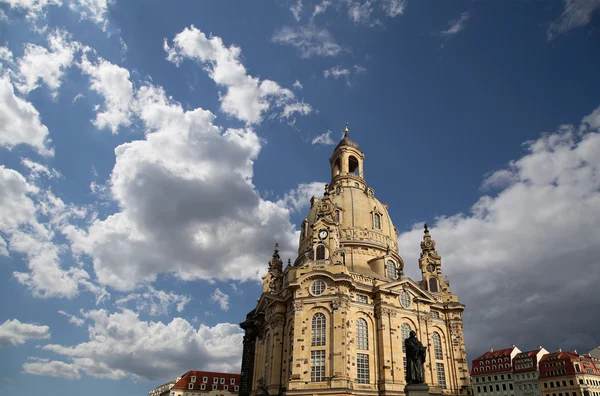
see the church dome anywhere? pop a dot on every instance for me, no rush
(363, 232)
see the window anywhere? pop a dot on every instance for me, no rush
(478, 389)
(215, 380)
(318, 329)
(318, 287)
(232, 381)
(571, 382)
(510, 386)
(508, 376)
(545, 385)
(214, 387)
(435, 314)
(495, 378)
(564, 383)
(191, 385)
(205, 379)
(236, 388)
(437, 345)
(405, 330)
(441, 375)
(225, 387)
(192, 379)
(362, 334)
(320, 252)
(377, 221)
(502, 376)
(485, 388)
(504, 387)
(202, 386)
(353, 165)
(223, 379)
(405, 299)
(433, 285)
(476, 379)
(362, 368)
(390, 269)
(361, 298)
(497, 388)
(317, 366)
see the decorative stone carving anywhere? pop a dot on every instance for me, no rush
(342, 301)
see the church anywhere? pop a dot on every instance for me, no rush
(334, 321)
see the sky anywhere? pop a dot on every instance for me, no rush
(151, 157)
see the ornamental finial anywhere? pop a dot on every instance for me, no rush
(346, 131)
(426, 228)
(277, 248)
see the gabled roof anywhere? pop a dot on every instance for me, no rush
(408, 284)
(495, 354)
(186, 380)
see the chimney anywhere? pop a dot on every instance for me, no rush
(575, 351)
(491, 349)
(540, 347)
(559, 350)
(513, 345)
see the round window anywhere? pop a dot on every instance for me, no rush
(405, 299)
(318, 287)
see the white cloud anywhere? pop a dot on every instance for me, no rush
(336, 72)
(220, 298)
(77, 321)
(13, 332)
(324, 138)
(113, 84)
(155, 302)
(526, 250)
(359, 69)
(39, 63)
(321, 7)
(393, 8)
(123, 345)
(34, 9)
(296, 9)
(95, 10)
(246, 97)
(36, 170)
(577, 13)
(456, 25)
(360, 11)
(298, 85)
(185, 196)
(20, 121)
(299, 198)
(54, 368)
(309, 40)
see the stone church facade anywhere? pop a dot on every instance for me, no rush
(334, 321)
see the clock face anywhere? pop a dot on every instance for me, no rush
(430, 267)
(323, 234)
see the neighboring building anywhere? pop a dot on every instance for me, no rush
(196, 383)
(334, 322)
(569, 374)
(164, 389)
(526, 372)
(491, 373)
(595, 353)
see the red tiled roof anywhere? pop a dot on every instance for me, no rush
(503, 364)
(185, 381)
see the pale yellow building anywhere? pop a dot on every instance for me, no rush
(334, 321)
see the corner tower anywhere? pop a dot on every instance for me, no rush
(334, 321)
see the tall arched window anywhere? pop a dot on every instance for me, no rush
(390, 269)
(318, 329)
(362, 334)
(337, 167)
(377, 221)
(405, 329)
(353, 165)
(437, 345)
(433, 285)
(320, 252)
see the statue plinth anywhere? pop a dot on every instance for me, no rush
(416, 390)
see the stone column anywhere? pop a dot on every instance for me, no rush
(339, 342)
(276, 324)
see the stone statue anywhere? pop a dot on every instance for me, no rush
(415, 358)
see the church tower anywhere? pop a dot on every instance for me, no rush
(334, 321)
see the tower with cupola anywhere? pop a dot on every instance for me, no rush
(334, 320)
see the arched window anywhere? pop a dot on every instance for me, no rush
(437, 345)
(353, 165)
(390, 269)
(320, 252)
(405, 330)
(362, 334)
(318, 329)
(433, 285)
(337, 167)
(377, 221)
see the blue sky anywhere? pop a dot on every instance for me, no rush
(152, 157)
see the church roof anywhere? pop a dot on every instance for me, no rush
(346, 141)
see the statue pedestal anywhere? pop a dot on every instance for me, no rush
(416, 390)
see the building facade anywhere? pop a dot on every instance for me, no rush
(526, 372)
(492, 373)
(334, 321)
(569, 374)
(164, 389)
(200, 383)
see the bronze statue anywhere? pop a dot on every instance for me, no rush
(415, 358)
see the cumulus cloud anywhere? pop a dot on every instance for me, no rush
(120, 345)
(33, 9)
(321, 7)
(13, 332)
(185, 196)
(77, 321)
(94, 10)
(336, 72)
(296, 10)
(393, 8)
(309, 40)
(37, 170)
(155, 302)
(577, 13)
(524, 251)
(246, 98)
(20, 122)
(54, 368)
(324, 138)
(298, 199)
(456, 25)
(46, 65)
(220, 298)
(298, 85)
(113, 83)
